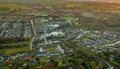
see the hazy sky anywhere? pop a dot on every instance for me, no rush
(110, 1)
(96, 0)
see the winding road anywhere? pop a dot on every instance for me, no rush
(35, 34)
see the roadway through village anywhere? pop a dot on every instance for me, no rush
(34, 33)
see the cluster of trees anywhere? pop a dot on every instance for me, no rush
(13, 42)
(12, 45)
(115, 55)
(81, 57)
(4, 9)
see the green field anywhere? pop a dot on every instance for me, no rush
(9, 6)
(1, 51)
(93, 6)
(51, 50)
(16, 50)
(1, 12)
(5, 8)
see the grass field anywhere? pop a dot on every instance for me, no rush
(51, 49)
(1, 51)
(15, 50)
(4, 8)
(93, 6)
(1, 12)
(67, 18)
(9, 7)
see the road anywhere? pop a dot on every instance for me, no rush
(113, 43)
(35, 34)
(33, 28)
(109, 65)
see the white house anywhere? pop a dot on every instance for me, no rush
(53, 25)
(40, 50)
(57, 34)
(58, 48)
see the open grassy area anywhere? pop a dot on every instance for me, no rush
(1, 51)
(67, 18)
(5, 8)
(51, 50)
(1, 12)
(93, 6)
(4, 67)
(12, 7)
(19, 12)
(41, 23)
(15, 50)
(9, 7)
(15, 44)
(60, 63)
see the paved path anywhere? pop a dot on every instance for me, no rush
(35, 34)
(113, 43)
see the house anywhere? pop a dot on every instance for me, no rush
(1, 59)
(17, 25)
(32, 62)
(4, 25)
(53, 25)
(41, 54)
(57, 34)
(62, 51)
(55, 40)
(110, 67)
(111, 59)
(27, 32)
(53, 53)
(54, 34)
(70, 67)
(58, 48)
(40, 50)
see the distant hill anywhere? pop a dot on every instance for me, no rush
(31, 1)
(37, 1)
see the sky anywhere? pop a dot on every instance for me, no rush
(109, 1)
(99, 0)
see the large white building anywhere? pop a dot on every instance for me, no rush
(53, 25)
(57, 34)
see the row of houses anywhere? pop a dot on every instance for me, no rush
(43, 51)
(9, 29)
(99, 42)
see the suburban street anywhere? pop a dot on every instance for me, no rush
(35, 34)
